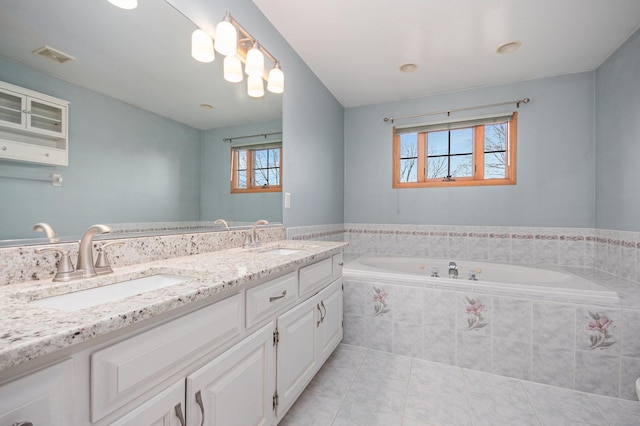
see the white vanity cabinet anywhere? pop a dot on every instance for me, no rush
(236, 388)
(308, 334)
(33, 126)
(42, 398)
(240, 360)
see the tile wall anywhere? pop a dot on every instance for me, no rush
(589, 347)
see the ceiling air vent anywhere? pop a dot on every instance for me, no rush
(54, 55)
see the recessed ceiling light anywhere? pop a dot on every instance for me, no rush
(125, 4)
(206, 106)
(509, 47)
(408, 67)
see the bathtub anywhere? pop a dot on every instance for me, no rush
(490, 276)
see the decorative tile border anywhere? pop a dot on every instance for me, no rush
(614, 252)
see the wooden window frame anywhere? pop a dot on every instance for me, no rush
(251, 172)
(478, 161)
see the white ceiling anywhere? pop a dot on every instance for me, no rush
(356, 47)
(139, 56)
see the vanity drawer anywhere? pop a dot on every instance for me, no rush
(131, 367)
(267, 298)
(314, 277)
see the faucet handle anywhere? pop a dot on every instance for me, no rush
(102, 265)
(65, 267)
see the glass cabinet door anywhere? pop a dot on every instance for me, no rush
(12, 109)
(46, 117)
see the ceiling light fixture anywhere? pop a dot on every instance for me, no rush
(226, 37)
(255, 61)
(202, 46)
(408, 68)
(255, 88)
(232, 69)
(276, 79)
(509, 47)
(124, 4)
(238, 46)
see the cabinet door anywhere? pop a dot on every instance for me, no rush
(297, 351)
(12, 109)
(236, 388)
(330, 331)
(165, 409)
(46, 117)
(42, 398)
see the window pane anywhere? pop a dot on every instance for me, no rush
(462, 166)
(494, 166)
(409, 170)
(462, 141)
(274, 157)
(437, 167)
(261, 178)
(260, 158)
(242, 159)
(409, 145)
(495, 137)
(274, 176)
(438, 143)
(242, 179)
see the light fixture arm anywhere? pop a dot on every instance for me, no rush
(246, 35)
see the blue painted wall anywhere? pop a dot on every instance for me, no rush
(555, 160)
(125, 165)
(217, 200)
(618, 139)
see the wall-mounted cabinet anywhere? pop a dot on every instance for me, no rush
(33, 126)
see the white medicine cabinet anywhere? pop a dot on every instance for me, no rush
(33, 126)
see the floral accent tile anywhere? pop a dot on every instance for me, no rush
(380, 301)
(474, 310)
(601, 328)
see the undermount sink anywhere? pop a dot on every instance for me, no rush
(280, 251)
(95, 296)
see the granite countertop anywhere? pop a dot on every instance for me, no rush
(29, 331)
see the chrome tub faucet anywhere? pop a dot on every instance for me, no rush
(453, 270)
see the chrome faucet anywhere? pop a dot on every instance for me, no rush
(85, 253)
(48, 230)
(85, 267)
(453, 270)
(254, 232)
(222, 222)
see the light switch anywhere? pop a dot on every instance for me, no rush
(287, 200)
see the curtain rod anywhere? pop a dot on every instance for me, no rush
(449, 111)
(251, 136)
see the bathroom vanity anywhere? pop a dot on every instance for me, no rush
(233, 343)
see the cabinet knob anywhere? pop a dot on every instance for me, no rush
(4, 148)
(46, 154)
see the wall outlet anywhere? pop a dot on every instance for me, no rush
(287, 200)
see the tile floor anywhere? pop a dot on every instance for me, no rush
(359, 386)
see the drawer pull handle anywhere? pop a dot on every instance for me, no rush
(23, 424)
(179, 414)
(341, 263)
(272, 298)
(320, 320)
(325, 311)
(201, 405)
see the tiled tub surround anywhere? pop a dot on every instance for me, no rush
(614, 252)
(587, 344)
(29, 331)
(20, 264)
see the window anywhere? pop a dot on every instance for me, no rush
(256, 168)
(459, 153)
